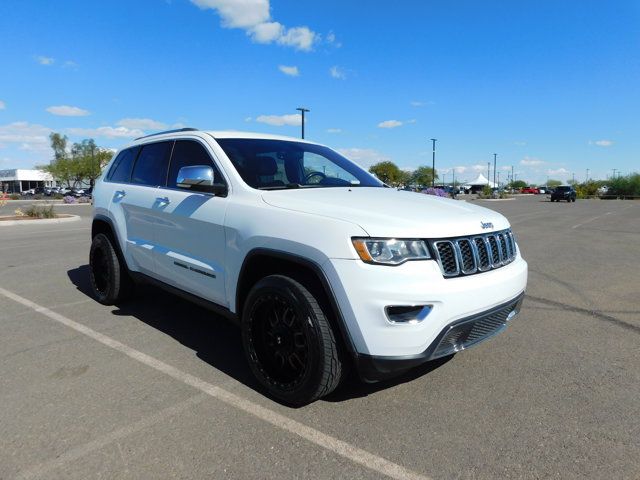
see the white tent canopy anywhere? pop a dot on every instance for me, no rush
(481, 181)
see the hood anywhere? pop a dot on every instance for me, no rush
(387, 212)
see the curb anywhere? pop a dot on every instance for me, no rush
(40, 221)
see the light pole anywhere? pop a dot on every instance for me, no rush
(433, 164)
(587, 179)
(494, 168)
(488, 172)
(614, 173)
(573, 178)
(512, 179)
(302, 110)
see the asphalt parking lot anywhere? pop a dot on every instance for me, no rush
(159, 388)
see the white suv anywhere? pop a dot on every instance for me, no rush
(320, 263)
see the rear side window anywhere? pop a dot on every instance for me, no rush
(151, 166)
(121, 170)
(187, 153)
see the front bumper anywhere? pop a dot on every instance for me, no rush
(457, 336)
(363, 292)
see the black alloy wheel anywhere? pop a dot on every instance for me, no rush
(109, 277)
(288, 341)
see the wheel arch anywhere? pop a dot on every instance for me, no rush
(261, 262)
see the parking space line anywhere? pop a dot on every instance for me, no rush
(39, 470)
(591, 220)
(346, 450)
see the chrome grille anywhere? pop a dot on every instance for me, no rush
(467, 333)
(468, 255)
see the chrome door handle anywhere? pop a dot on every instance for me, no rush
(163, 200)
(119, 193)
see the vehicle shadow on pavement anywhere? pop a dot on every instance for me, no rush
(352, 387)
(217, 341)
(213, 338)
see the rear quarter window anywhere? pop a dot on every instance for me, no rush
(120, 171)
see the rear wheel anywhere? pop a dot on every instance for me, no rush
(289, 342)
(109, 277)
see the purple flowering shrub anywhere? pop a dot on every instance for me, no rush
(69, 199)
(438, 192)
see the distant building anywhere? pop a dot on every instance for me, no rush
(19, 180)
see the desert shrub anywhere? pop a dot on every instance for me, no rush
(58, 196)
(37, 196)
(14, 196)
(84, 200)
(44, 211)
(625, 186)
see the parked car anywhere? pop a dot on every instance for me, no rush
(64, 191)
(48, 191)
(28, 192)
(533, 190)
(543, 190)
(563, 192)
(320, 265)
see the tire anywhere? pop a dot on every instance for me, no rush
(110, 280)
(288, 341)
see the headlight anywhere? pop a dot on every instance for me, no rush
(390, 251)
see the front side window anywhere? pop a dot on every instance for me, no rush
(151, 166)
(187, 153)
(279, 164)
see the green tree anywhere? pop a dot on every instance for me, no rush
(518, 184)
(59, 146)
(553, 183)
(387, 172)
(423, 176)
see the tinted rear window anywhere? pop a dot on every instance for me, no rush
(563, 189)
(152, 163)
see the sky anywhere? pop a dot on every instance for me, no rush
(551, 87)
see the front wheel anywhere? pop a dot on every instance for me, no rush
(289, 342)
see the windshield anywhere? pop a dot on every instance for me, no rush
(563, 189)
(279, 164)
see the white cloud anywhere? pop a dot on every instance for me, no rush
(247, 119)
(334, 130)
(67, 111)
(238, 13)
(301, 38)
(29, 136)
(254, 17)
(559, 171)
(108, 132)
(2, 105)
(70, 64)
(602, 143)
(337, 72)
(294, 119)
(45, 60)
(142, 124)
(520, 144)
(417, 103)
(531, 162)
(390, 124)
(365, 157)
(291, 71)
(331, 40)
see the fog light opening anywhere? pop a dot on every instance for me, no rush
(407, 315)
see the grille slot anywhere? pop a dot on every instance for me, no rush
(447, 258)
(465, 334)
(469, 255)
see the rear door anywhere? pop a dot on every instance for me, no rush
(133, 204)
(190, 234)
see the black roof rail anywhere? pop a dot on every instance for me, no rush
(185, 129)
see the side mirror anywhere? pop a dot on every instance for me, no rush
(199, 178)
